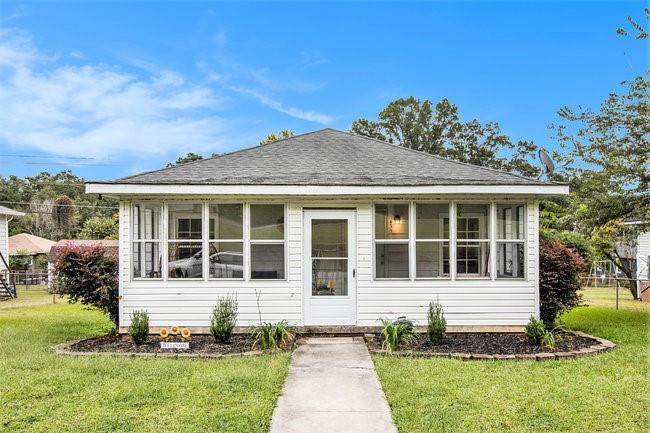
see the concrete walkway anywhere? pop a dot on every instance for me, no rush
(332, 386)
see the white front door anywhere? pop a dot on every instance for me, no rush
(329, 290)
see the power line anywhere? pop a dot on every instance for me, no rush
(60, 205)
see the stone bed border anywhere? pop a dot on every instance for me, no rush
(602, 345)
(63, 349)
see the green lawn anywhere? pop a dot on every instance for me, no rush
(42, 392)
(605, 393)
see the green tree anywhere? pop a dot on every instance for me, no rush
(191, 156)
(437, 129)
(100, 227)
(284, 133)
(606, 156)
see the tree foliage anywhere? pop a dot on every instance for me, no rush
(100, 227)
(273, 136)
(88, 274)
(191, 156)
(437, 129)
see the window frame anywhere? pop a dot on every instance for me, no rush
(407, 241)
(216, 240)
(489, 240)
(142, 242)
(248, 262)
(167, 240)
(439, 241)
(523, 240)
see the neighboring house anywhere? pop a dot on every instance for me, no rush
(6, 215)
(329, 228)
(637, 253)
(25, 244)
(111, 247)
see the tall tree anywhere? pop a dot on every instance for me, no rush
(272, 137)
(437, 129)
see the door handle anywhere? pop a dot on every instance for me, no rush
(354, 273)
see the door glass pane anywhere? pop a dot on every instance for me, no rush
(329, 277)
(329, 238)
(472, 221)
(510, 260)
(267, 221)
(472, 259)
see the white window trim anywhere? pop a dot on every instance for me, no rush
(252, 241)
(440, 241)
(488, 240)
(523, 241)
(168, 241)
(406, 241)
(160, 241)
(209, 241)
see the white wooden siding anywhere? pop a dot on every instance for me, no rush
(642, 256)
(466, 302)
(4, 240)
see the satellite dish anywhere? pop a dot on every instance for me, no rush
(547, 163)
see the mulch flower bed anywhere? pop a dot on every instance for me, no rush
(199, 345)
(490, 343)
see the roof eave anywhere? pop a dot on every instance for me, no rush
(120, 189)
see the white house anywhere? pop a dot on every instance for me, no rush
(329, 228)
(6, 215)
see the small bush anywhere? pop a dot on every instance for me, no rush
(395, 334)
(139, 329)
(558, 279)
(548, 340)
(436, 323)
(224, 318)
(535, 331)
(88, 274)
(272, 336)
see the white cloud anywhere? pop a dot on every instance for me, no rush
(311, 116)
(98, 111)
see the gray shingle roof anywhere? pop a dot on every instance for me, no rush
(327, 157)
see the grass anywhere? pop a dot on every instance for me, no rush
(605, 393)
(42, 392)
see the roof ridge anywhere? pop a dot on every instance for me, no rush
(419, 152)
(222, 155)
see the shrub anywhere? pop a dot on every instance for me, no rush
(272, 336)
(139, 329)
(395, 333)
(436, 323)
(535, 331)
(559, 267)
(88, 274)
(224, 317)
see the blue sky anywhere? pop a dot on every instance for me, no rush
(109, 89)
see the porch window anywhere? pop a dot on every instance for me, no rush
(147, 240)
(510, 240)
(267, 228)
(392, 240)
(226, 240)
(473, 240)
(185, 240)
(431, 240)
